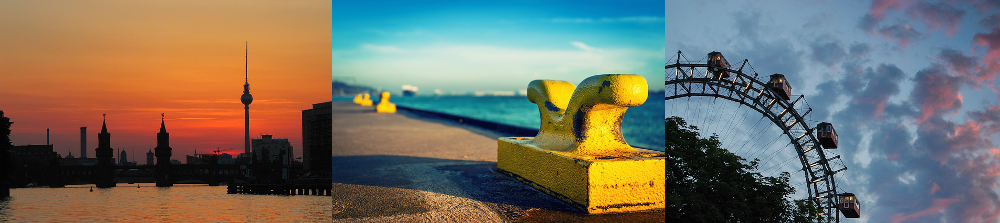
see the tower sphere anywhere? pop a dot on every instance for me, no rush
(246, 98)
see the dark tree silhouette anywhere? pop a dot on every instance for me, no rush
(5, 162)
(706, 183)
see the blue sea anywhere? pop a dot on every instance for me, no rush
(642, 127)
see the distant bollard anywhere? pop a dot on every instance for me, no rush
(357, 99)
(384, 106)
(365, 100)
(579, 155)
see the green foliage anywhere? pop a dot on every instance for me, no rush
(706, 183)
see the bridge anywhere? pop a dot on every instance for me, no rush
(180, 173)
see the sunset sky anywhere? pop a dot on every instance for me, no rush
(467, 46)
(911, 87)
(65, 63)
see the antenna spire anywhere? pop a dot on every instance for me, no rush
(246, 62)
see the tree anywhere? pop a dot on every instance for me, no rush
(5, 162)
(706, 183)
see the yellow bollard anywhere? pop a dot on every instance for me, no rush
(357, 99)
(384, 106)
(579, 155)
(365, 100)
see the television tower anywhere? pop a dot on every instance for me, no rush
(246, 99)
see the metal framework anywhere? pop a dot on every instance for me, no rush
(689, 81)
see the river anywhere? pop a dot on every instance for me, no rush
(180, 203)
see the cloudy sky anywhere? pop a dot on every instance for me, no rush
(910, 86)
(464, 46)
(63, 64)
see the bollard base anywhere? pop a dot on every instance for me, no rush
(385, 108)
(609, 184)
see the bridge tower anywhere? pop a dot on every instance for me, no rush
(163, 153)
(105, 159)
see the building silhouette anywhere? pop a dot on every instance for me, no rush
(215, 158)
(317, 138)
(271, 157)
(81, 160)
(83, 142)
(163, 153)
(272, 150)
(149, 158)
(77, 161)
(105, 159)
(40, 151)
(225, 158)
(122, 157)
(36, 164)
(202, 159)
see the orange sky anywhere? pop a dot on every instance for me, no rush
(64, 63)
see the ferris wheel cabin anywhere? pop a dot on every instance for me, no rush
(779, 85)
(717, 64)
(849, 205)
(827, 135)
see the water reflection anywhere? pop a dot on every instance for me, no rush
(131, 203)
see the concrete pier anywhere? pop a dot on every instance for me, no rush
(410, 166)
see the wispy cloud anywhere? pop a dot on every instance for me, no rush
(938, 14)
(582, 46)
(474, 67)
(918, 129)
(381, 48)
(630, 19)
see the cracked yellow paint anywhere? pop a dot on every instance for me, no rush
(384, 106)
(579, 155)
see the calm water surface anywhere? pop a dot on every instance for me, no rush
(642, 125)
(180, 203)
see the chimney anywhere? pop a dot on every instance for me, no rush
(47, 137)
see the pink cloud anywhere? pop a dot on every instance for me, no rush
(963, 65)
(878, 104)
(939, 93)
(938, 205)
(934, 15)
(937, 15)
(991, 59)
(904, 34)
(975, 160)
(990, 40)
(879, 7)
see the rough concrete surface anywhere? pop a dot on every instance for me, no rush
(406, 168)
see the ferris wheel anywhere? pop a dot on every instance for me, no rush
(714, 78)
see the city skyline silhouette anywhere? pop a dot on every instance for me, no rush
(135, 64)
